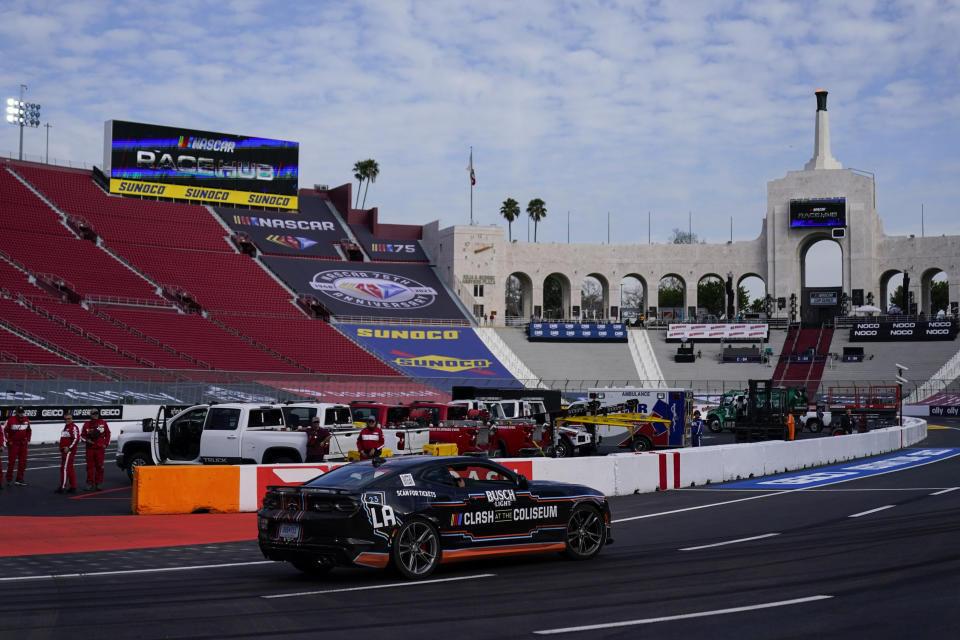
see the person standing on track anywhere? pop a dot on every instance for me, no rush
(96, 435)
(791, 427)
(696, 430)
(17, 433)
(317, 439)
(69, 441)
(370, 439)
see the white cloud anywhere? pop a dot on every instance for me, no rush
(595, 107)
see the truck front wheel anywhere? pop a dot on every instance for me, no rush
(715, 425)
(641, 443)
(564, 448)
(814, 425)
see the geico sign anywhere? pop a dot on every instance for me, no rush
(51, 413)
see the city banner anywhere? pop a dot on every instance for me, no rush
(173, 162)
(432, 352)
(383, 290)
(579, 331)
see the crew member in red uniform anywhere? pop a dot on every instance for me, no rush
(69, 441)
(96, 435)
(17, 432)
(370, 439)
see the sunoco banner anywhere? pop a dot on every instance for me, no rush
(707, 332)
(369, 289)
(432, 352)
(903, 331)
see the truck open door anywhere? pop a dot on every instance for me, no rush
(159, 438)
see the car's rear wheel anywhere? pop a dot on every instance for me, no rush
(416, 549)
(313, 566)
(586, 533)
(641, 443)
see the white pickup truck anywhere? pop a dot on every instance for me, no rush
(240, 433)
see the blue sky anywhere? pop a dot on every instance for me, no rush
(667, 107)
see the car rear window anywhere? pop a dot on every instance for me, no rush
(351, 476)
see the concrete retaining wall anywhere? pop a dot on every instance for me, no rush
(187, 489)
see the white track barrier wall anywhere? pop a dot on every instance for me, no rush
(628, 473)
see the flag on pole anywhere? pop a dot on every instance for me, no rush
(473, 178)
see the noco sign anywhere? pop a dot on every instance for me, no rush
(906, 330)
(170, 162)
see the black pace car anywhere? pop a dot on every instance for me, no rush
(415, 512)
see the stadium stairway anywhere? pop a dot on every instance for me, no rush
(815, 342)
(643, 356)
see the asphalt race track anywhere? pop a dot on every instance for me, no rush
(877, 557)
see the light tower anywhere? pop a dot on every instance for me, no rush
(22, 114)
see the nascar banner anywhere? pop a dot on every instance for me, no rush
(383, 290)
(431, 352)
(312, 231)
(580, 331)
(388, 249)
(174, 162)
(716, 332)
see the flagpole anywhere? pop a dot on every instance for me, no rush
(471, 186)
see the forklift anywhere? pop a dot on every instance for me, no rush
(763, 415)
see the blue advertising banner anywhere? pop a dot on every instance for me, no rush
(311, 231)
(435, 353)
(581, 331)
(388, 249)
(383, 290)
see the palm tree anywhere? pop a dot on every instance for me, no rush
(510, 210)
(358, 174)
(371, 171)
(537, 210)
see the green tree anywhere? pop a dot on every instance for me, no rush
(679, 236)
(670, 293)
(537, 210)
(591, 299)
(712, 296)
(358, 170)
(370, 171)
(553, 299)
(939, 296)
(510, 210)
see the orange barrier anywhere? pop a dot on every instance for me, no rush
(186, 489)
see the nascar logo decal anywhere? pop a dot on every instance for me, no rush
(294, 242)
(373, 289)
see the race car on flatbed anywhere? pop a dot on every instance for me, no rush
(418, 512)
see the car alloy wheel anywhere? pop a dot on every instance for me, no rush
(586, 533)
(416, 549)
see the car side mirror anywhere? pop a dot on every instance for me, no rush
(148, 424)
(522, 482)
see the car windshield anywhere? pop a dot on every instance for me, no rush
(351, 475)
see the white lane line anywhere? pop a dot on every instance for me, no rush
(129, 571)
(703, 506)
(685, 616)
(721, 544)
(378, 586)
(940, 493)
(865, 513)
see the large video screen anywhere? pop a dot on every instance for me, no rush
(170, 162)
(818, 212)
